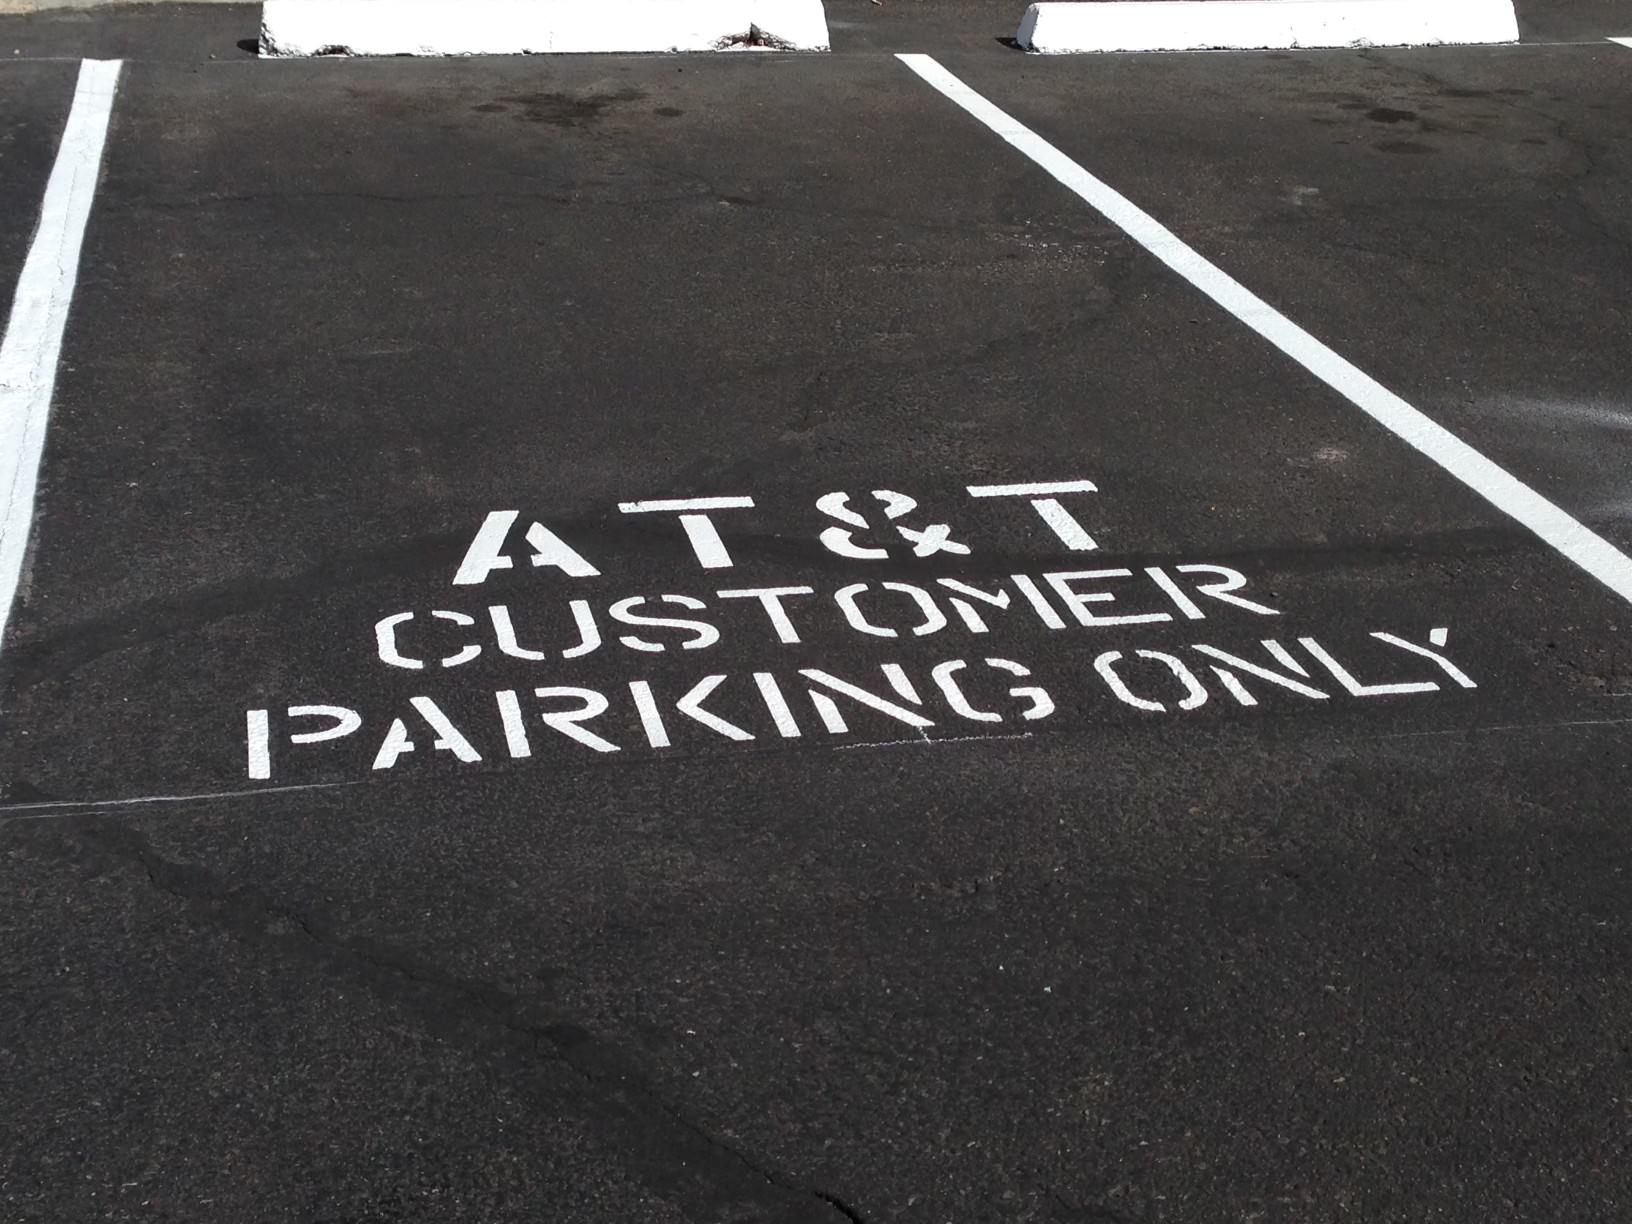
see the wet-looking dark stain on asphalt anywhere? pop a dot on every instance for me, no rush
(1384, 114)
(560, 109)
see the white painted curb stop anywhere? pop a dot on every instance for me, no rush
(537, 27)
(1242, 25)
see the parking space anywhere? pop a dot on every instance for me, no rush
(1445, 216)
(471, 300)
(698, 639)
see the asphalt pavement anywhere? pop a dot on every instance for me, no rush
(32, 111)
(699, 639)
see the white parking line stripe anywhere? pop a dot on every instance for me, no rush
(1596, 555)
(1048, 488)
(39, 312)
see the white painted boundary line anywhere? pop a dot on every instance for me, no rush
(1625, 42)
(1200, 25)
(1596, 555)
(528, 27)
(39, 313)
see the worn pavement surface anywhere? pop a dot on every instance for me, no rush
(1360, 955)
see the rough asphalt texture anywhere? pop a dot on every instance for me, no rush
(1359, 959)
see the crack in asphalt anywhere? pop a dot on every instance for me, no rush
(672, 1154)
